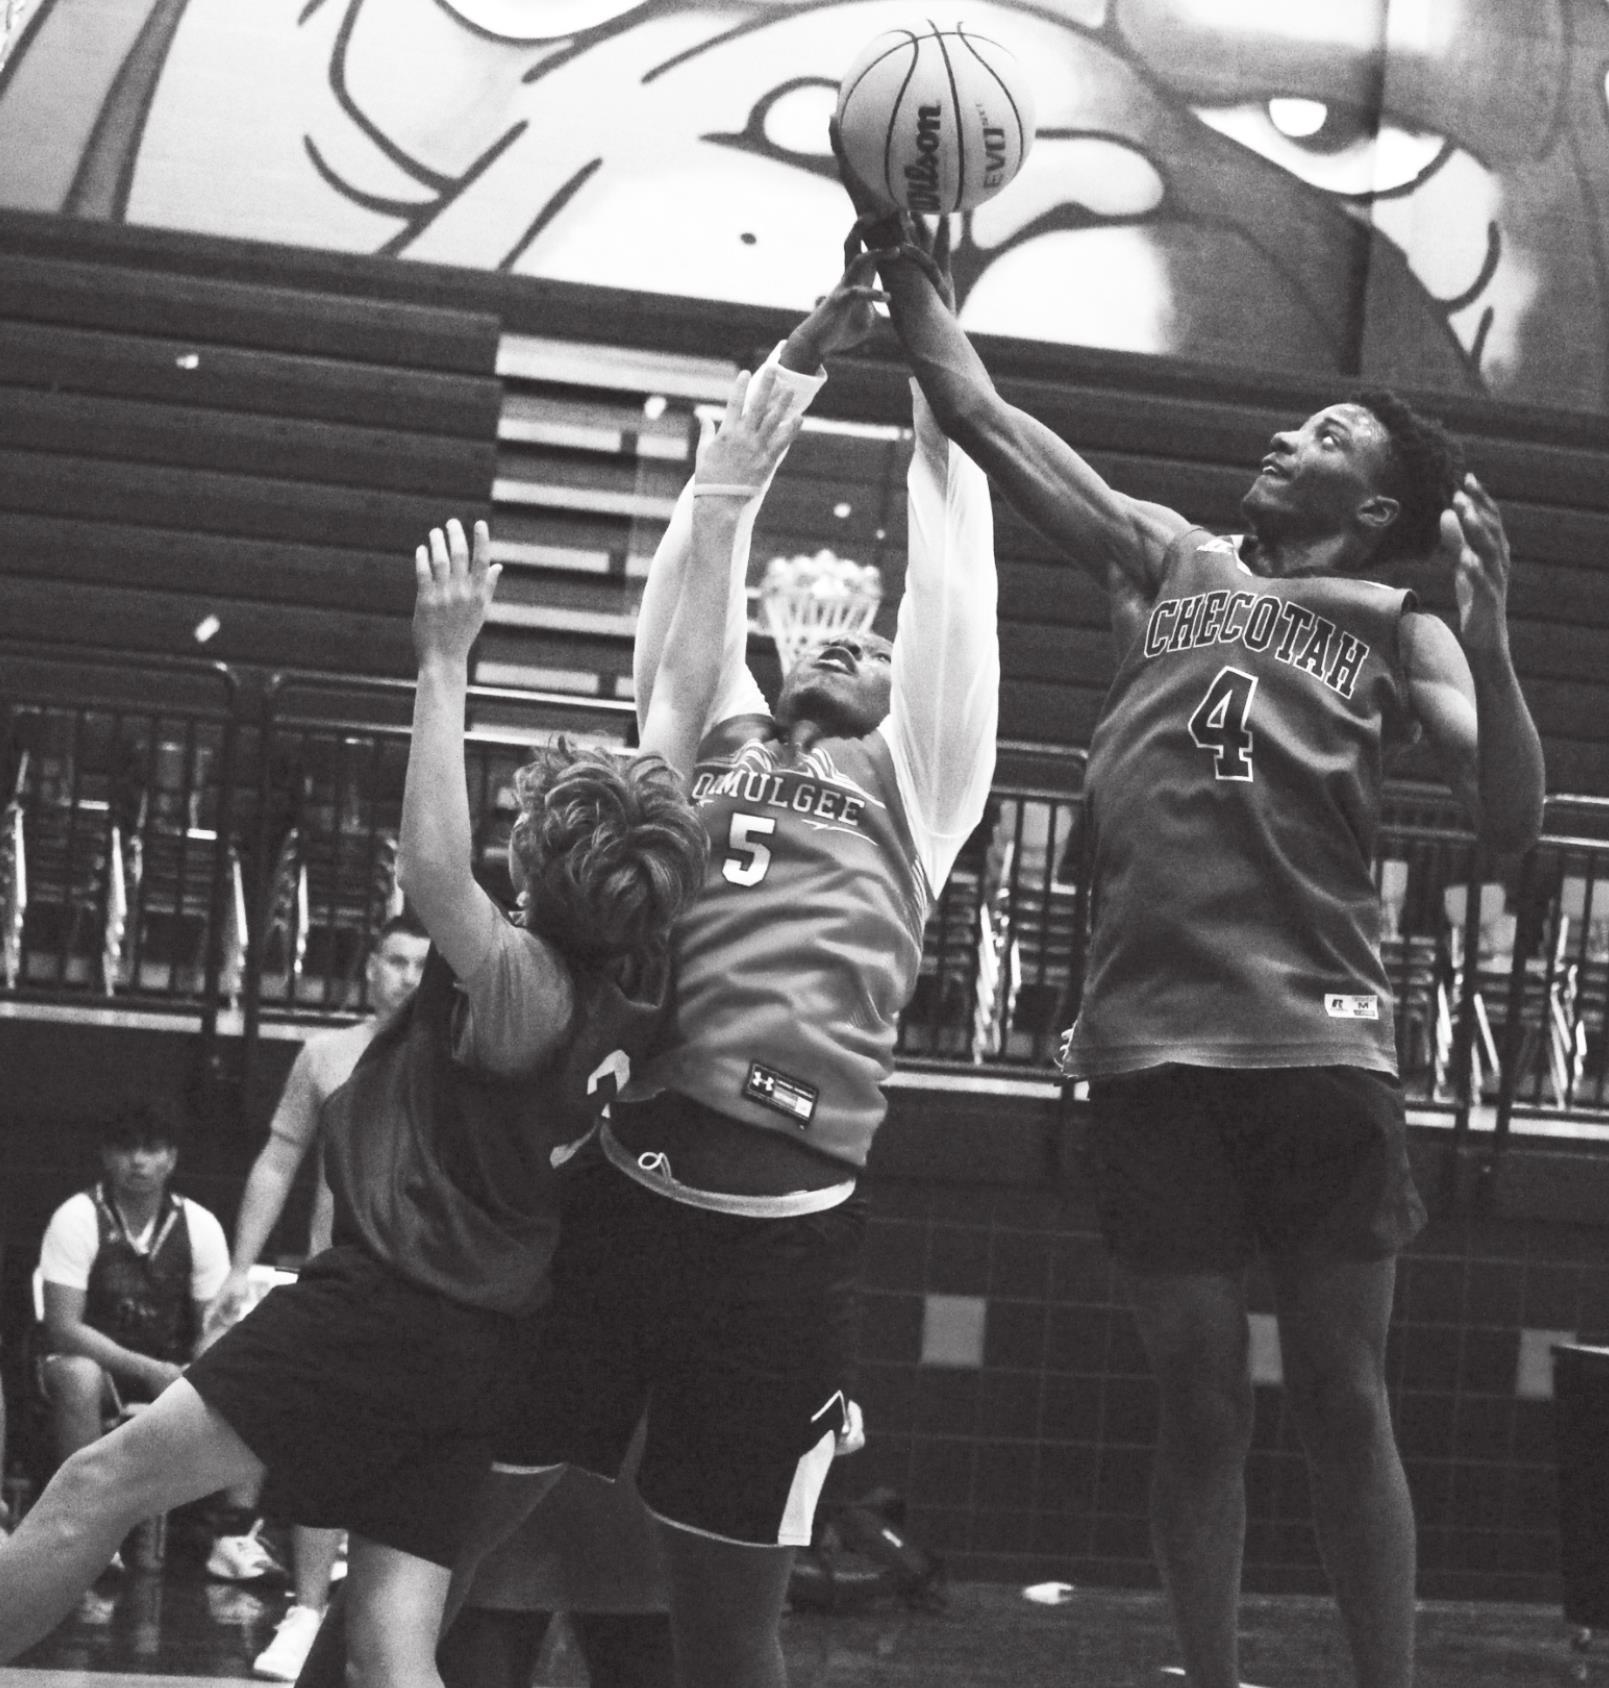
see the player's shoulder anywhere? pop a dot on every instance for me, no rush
(202, 1221)
(78, 1209)
(329, 1055)
(726, 738)
(1193, 548)
(1430, 648)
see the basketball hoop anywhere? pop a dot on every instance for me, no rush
(810, 601)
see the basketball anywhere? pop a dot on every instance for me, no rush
(935, 120)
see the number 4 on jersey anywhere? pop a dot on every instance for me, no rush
(1220, 723)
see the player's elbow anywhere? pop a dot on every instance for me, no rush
(427, 878)
(1510, 829)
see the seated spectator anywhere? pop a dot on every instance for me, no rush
(128, 1268)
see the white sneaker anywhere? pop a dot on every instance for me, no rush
(282, 1659)
(242, 1558)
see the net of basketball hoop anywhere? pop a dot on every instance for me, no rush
(807, 602)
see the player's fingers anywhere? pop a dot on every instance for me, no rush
(440, 565)
(941, 243)
(764, 393)
(736, 399)
(858, 268)
(421, 564)
(480, 556)
(1481, 500)
(457, 546)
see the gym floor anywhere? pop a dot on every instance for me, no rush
(159, 1629)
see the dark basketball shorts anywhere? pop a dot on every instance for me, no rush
(735, 1334)
(373, 1402)
(1196, 1169)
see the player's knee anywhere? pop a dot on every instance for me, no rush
(397, 1657)
(99, 1481)
(74, 1383)
(1341, 1415)
(1211, 1416)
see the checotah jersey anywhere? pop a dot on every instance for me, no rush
(1234, 786)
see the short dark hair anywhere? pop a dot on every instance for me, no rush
(1424, 468)
(141, 1122)
(407, 923)
(611, 848)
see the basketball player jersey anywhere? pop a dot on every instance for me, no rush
(795, 961)
(143, 1301)
(1234, 784)
(447, 1175)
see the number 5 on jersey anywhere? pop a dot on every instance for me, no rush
(1220, 723)
(747, 860)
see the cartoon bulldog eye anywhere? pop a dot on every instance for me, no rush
(788, 124)
(536, 20)
(1334, 148)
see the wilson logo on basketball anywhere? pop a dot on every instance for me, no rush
(922, 175)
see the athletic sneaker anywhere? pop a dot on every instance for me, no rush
(282, 1659)
(242, 1558)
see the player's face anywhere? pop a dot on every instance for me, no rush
(395, 969)
(143, 1170)
(1316, 478)
(844, 687)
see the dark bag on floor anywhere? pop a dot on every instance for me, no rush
(860, 1553)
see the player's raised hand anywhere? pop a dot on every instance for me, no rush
(846, 316)
(877, 223)
(454, 584)
(761, 422)
(1474, 543)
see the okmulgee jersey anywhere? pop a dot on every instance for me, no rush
(795, 961)
(1234, 785)
(447, 1174)
(800, 952)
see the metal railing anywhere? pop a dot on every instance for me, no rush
(232, 848)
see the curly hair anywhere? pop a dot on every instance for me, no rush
(611, 850)
(1424, 468)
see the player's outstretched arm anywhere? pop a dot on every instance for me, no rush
(735, 463)
(841, 320)
(1039, 474)
(1042, 477)
(1464, 688)
(944, 710)
(454, 587)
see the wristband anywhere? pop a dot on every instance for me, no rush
(724, 489)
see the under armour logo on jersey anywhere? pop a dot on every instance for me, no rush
(790, 1096)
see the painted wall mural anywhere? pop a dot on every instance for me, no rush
(1414, 189)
